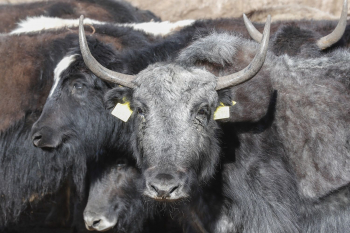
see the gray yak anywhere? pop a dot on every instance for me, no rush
(281, 156)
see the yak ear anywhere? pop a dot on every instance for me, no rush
(253, 99)
(117, 95)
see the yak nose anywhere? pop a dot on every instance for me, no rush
(94, 222)
(45, 137)
(36, 138)
(163, 186)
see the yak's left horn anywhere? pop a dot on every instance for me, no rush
(334, 37)
(97, 68)
(253, 32)
(253, 68)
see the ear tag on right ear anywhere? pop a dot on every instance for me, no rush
(122, 111)
(222, 112)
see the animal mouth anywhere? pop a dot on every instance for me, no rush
(164, 198)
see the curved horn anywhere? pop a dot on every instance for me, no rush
(338, 32)
(97, 68)
(253, 32)
(253, 68)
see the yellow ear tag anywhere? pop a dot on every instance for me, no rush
(122, 111)
(223, 112)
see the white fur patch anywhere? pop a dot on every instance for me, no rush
(39, 23)
(159, 28)
(61, 66)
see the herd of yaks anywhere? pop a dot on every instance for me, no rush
(194, 126)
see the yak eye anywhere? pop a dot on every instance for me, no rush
(78, 86)
(202, 116)
(140, 111)
(121, 163)
(203, 111)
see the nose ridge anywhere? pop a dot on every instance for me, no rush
(164, 176)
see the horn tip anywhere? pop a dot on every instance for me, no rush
(245, 18)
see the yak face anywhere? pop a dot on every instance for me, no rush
(174, 135)
(114, 199)
(47, 134)
(74, 109)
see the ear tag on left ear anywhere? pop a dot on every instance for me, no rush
(223, 112)
(122, 111)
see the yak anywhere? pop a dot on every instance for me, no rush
(283, 162)
(29, 64)
(107, 11)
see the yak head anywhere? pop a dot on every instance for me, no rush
(74, 109)
(114, 197)
(174, 134)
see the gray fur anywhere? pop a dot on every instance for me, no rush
(161, 85)
(312, 109)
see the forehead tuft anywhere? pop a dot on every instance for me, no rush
(61, 66)
(172, 81)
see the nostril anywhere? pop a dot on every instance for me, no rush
(154, 188)
(96, 223)
(173, 189)
(36, 138)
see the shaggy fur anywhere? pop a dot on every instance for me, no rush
(33, 81)
(30, 172)
(107, 10)
(290, 146)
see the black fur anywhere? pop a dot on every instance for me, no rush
(17, 146)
